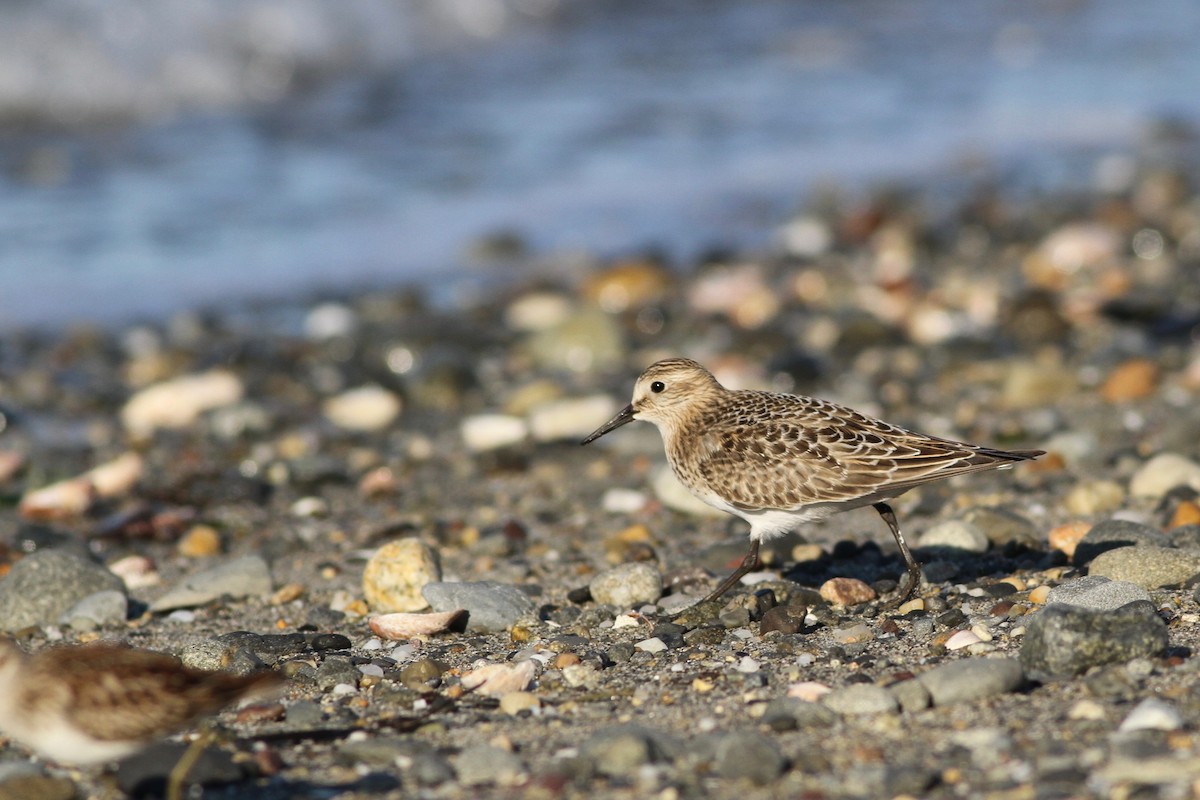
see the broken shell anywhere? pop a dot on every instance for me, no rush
(403, 625)
(138, 572)
(72, 497)
(116, 477)
(494, 680)
(178, 402)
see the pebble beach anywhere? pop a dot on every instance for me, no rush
(383, 498)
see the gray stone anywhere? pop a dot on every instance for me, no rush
(109, 607)
(627, 586)
(1185, 537)
(482, 764)
(41, 587)
(1149, 567)
(792, 713)
(1096, 592)
(335, 670)
(248, 576)
(1113, 533)
(619, 752)
(911, 695)
(748, 755)
(491, 606)
(1062, 641)
(218, 654)
(1002, 526)
(971, 679)
(954, 537)
(860, 698)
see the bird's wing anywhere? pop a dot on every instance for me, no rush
(813, 451)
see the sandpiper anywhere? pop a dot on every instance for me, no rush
(96, 703)
(777, 460)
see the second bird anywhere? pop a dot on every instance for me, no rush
(777, 460)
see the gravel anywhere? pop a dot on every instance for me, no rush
(242, 504)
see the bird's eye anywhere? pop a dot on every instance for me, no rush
(657, 386)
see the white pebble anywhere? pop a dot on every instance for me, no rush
(365, 408)
(1152, 714)
(623, 501)
(962, 639)
(570, 418)
(179, 402)
(483, 432)
(655, 645)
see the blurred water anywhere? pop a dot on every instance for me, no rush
(158, 155)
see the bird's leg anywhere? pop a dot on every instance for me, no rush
(188, 760)
(748, 563)
(914, 569)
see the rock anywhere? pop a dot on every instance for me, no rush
(1088, 498)
(860, 698)
(482, 764)
(1066, 537)
(794, 713)
(1115, 533)
(39, 588)
(72, 497)
(1097, 593)
(1148, 567)
(621, 751)
(960, 639)
(248, 576)
(146, 773)
(364, 409)
(1152, 714)
(971, 679)
(496, 680)
(537, 311)
(748, 755)
(847, 591)
(179, 402)
(514, 703)
(109, 607)
(330, 321)
(954, 535)
(911, 695)
(570, 419)
(623, 501)
(627, 284)
(1002, 526)
(484, 432)
(1030, 384)
(401, 625)
(588, 340)
(397, 572)
(1163, 473)
(200, 541)
(785, 619)
(1062, 641)
(1131, 380)
(627, 586)
(491, 606)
